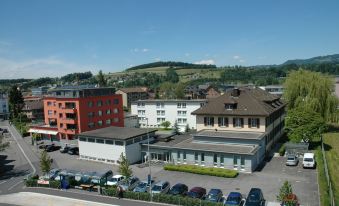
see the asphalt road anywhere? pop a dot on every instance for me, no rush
(19, 160)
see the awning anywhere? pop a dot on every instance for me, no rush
(42, 131)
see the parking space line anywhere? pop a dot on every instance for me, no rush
(14, 185)
(3, 182)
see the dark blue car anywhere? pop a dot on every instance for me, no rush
(234, 199)
(214, 195)
(255, 198)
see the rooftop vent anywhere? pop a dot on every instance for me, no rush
(235, 92)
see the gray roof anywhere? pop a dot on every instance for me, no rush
(231, 134)
(170, 100)
(121, 133)
(250, 102)
(187, 142)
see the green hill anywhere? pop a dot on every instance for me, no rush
(173, 64)
(328, 59)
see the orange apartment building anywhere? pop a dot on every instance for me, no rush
(72, 110)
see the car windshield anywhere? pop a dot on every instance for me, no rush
(233, 200)
(308, 160)
(253, 198)
(142, 184)
(156, 188)
(291, 158)
(193, 194)
(212, 197)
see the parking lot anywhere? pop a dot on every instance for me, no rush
(269, 179)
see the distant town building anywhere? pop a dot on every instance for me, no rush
(39, 91)
(273, 89)
(4, 107)
(158, 111)
(71, 110)
(131, 120)
(130, 95)
(34, 108)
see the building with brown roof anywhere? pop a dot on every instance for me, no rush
(130, 95)
(34, 108)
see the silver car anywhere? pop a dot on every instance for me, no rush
(129, 184)
(292, 160)
(161, 187)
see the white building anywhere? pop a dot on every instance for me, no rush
(107, 144)
(273, 89)
(157, 111)
(4, 110)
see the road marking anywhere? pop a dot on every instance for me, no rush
(23, 152)
(15, 185)
(3, 182)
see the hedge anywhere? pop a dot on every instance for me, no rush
(31, 182)
(219, 172)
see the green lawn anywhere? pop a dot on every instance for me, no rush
(331, 144)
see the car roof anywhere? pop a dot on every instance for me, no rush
(197, 189)
(234, 194)
(179, 184)
(160, 183)
(117, 176)
(308, 155)
(214, 191)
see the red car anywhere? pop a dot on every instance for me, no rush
(197, 192)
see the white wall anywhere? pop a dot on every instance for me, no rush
(171, 112)
(106, 151)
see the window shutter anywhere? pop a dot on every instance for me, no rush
(249, 123)
(242, 122)
(205, 121)
(233, 122)
(226, 121)
(258, 122)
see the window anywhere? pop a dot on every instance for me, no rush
(202, 158)
(196, 157)
(141, 112)
(238, 122)
(184, 121)
(99, 103)
(90, 114)
(108, 111)
(221, 160)
(100, 123)
(108, 102)
(184, 156)
(108, 121)
(115, 110)
(49, 103)
(129, 142)
(222, 121)
(91, 125)
(137, 139)
(215, 159)
(178, 155)
(179, 105)
(179, 121)
(100, 113)
(230, 106)
(253, 122)
(183, 105)
(121, 143)
(59, 105)
(50, 112)
(158, 120)
(116, 101)
(209, 121)
(90, 104)
(235, 161)
(108, 141)
(242, 162)
(83, 139)
(61, 125)
(91, 140)
(100, 141)
(163, 113)
(116, 119)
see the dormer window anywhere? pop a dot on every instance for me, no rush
(230, 106)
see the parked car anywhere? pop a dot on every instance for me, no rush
(114, 180)
(179, 189)
(214, 195)
(64, 149)
(308, 160)
(292, 160)
(73, 151)
(51, 148)
(197, 192)
(161, 187)
(43, 146)
(234, 199)
(255, 198)
(54, 173)
(290, 199)
(143, 186)
(5, 130)
(129, 184)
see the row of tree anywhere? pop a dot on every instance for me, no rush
(172, 64)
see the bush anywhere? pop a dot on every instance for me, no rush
(282, 150)
(31, 182)
(219, 172)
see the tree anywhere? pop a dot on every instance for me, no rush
(176, 129)
(124, 168)
(101, 79)
(3, 145)
(179, 91)
(285, 190)
(171, 75)
(166, 124)
(187, 128)
(304, 124)
(16, 101)
(45, 162)
(311, 90)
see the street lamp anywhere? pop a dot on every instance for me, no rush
(149, 161)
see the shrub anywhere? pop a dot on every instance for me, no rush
(219, 172)
(282, 150)
(31, 182)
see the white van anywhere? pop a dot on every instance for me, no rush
(308, 160)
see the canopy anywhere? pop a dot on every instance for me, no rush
(42, 131)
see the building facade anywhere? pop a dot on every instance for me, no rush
(152, 113)
(273, 89)
(34, 108)
(39, 91)
(130, 95)
(75, 109)
(235, 131)
(4, 107)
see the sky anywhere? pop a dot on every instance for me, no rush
(56, 37)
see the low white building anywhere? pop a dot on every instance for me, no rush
(154, 112)
(107, 144)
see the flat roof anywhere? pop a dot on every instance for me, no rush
(230, 134)
(170, 100)
(187, 142)
(121, 133)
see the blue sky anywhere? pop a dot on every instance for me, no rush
(53, 38)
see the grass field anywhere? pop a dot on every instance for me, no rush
(331, 144)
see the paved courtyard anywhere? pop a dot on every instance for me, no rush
(269, 179)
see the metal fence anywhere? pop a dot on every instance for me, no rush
(332, 202)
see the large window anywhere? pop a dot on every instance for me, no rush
(215, 159)
(179, 156)
(253, 122)
(100, 113)
(108, 111)
(238, 122)
(196, 157)
(221, 160)
(184, 156)
(121, 143)
(91, 125)
(91, 140)
(100, 123)
(83, 139)
(115, 110)
(99, 103)
(108, 121)
(100, 141)
(202, 158)
(108, 141)
(242, 162)
(209, 121)
(222, 121)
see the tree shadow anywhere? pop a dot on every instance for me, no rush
(327, 147)
(333, 128)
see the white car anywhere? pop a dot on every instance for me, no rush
(114, 180)
(308, 160)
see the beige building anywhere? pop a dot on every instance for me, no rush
(130, 95)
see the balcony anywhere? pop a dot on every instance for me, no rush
(69, 110)
(68, 120)
(70, 131)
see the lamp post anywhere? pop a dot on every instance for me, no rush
(149, 161)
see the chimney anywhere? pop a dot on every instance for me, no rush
(235, 92)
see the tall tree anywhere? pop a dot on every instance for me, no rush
(45, 162)
(124, 168)
(16, 101)
(311, 90)
(176, 129)
(304, 124)
(101, 79)
(171, 75)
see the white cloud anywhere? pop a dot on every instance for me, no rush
(207, 61)
(236, 57)
(241, 60)
(35, 68)
(145, 50)
(157, 59)
(136, 50)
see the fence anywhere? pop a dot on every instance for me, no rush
(327, 174)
